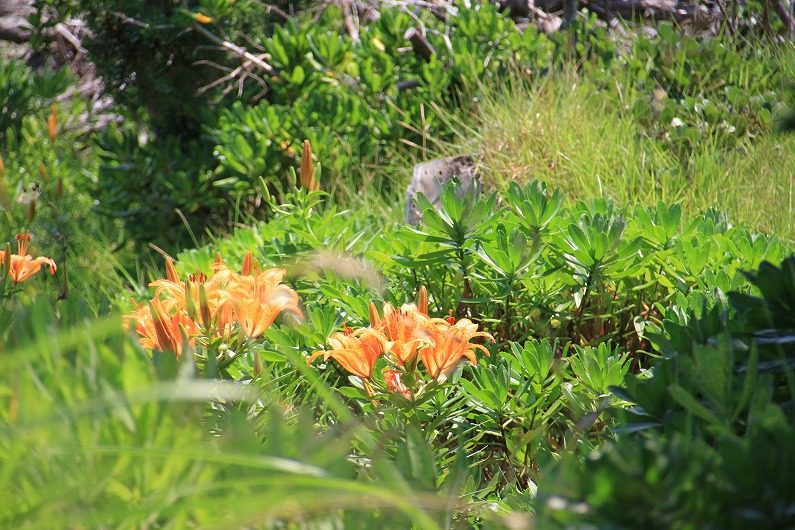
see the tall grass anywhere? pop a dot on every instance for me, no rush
(93, 434)
(573, 134)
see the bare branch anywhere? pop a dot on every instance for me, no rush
(234, 48)
(213, 64)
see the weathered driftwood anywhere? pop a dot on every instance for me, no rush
(14, 26)
(649, 10)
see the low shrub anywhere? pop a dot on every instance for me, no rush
(570, 292)
(707, 442)
(534, 267)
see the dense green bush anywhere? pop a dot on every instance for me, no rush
(708, 442)
(147, 54)
(347, 99)
(706, 90)
(344, 97)
(534, 267)
(151, 64)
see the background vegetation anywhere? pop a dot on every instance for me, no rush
(630, 252)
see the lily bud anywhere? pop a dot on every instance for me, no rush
(307, 169)
(189, 302)
(52, 123)
(247, 264)
(171, 271)
(204, 307)
(422, 300)
(31, 211)
(375, 320)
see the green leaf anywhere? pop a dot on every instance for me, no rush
(415, 460)
(693, 406)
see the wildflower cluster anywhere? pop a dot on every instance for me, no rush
(225, 305)
(404, 337)
(21, 266)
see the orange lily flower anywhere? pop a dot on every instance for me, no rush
(213, 304)
(357, 352)
(258, 299)
(141, 317)
(395, 385)
(255, 316)
(21, 266)
(403, 328)
(449, 344)
(168, 334)
(252, 300)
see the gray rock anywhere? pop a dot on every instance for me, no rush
(430, 177)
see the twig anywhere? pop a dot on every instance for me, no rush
(136, 22)
(215, 65)
(221, 80)
(253, 43)
(281, 13)
(234, 48)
